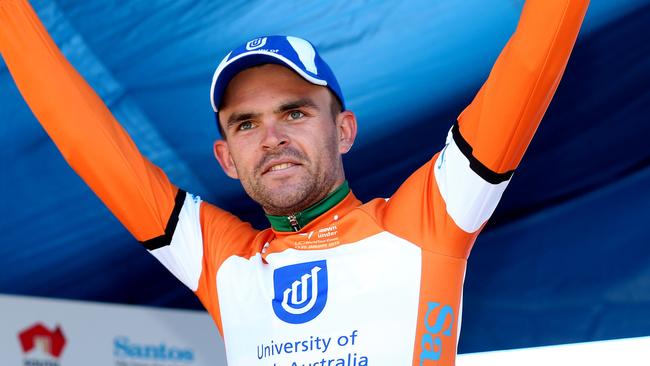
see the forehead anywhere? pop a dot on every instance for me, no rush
(262, 86)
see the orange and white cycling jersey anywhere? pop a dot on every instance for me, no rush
(378, 283)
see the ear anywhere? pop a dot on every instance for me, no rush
(346, 124)
(222, 153)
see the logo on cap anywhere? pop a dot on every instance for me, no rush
(256, 43)
(300, 291)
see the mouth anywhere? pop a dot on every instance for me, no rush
(280, 166)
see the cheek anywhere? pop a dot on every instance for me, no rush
(242, 158)
(330, 145)
(326, 151)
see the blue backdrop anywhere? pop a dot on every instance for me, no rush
(566, 257)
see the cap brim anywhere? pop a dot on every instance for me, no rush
(230, 68)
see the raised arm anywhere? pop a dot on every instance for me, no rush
(488, 141)
(499, 124)
(92, 142)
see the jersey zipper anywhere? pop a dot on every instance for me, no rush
(293, 221)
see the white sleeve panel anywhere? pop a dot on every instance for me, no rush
(184, 255)
(469, 198)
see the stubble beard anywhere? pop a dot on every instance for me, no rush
(288, 199)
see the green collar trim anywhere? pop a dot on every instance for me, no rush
(299, 220)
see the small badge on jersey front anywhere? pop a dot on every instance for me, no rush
(300, 291)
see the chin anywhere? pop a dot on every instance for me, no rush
(289, 194)
(286, 199)
(278, 195)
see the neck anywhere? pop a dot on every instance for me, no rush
(298, 220)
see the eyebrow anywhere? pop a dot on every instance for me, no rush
(236, 118)
(297, 104)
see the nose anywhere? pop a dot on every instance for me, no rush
(274, 136)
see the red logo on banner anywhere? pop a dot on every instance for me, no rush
(38, 335)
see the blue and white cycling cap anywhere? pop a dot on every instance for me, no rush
(295, 53)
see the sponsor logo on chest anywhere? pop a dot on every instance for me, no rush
(300, 291)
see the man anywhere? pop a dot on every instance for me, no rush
(334, 281)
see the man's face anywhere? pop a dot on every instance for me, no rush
(282, 140)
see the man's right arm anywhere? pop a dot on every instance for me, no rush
(189, 237)
(137, 192)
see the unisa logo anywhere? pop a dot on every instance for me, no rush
(300, 291)
(256, 43)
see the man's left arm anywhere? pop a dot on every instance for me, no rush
(488, 141)
(499, 124)
(493, 132)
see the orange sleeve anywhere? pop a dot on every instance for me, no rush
(500, 122)
(444, 205)
(82, 127)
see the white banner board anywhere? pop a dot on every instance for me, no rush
(616, 352)
(45, 332)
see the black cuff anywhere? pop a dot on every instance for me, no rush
(479, 168)
(166, 238)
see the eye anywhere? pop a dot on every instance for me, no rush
(296, 114)
(247, 125)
